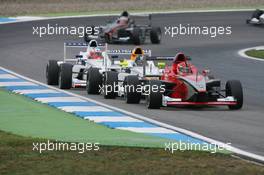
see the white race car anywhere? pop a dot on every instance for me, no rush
(257, 17)
(118, 64)
(72, 72)
(89, 68)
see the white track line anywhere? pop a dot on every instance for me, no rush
(7, 76)
(59, 99)
(84, 108)
(35, 91)
(112, 119)
(153, 130)
(4, 84)
(243, 54)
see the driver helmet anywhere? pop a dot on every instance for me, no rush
(124, 18)
(96, 54)
(124, 14)
(184, 69)
(180, 57)
(135, 53)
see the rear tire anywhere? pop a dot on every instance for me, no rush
(257, 13)
(155, 35)
(86, 36)
(94, 81)
(154, 99)
(52, 72)
(234, 88)
(131, 84)
(110, 81)
(136, 36)
(247, 21)
(107, 38)
(65, 76)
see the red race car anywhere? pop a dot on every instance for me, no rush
(181, 84)
(125, 30)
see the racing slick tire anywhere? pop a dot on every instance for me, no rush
(94, 81)
(257, 13)
(110, 83)
(248, 21)
(136, 36)
(65, 76)
(52, 72)
(154, 99)
(108, 38)
(86, 35)
(234, 88)
(86, 38)
(131, 94)
(155, 35)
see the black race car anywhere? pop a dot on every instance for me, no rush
(125, 30)
(257, 18)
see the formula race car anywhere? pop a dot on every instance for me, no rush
(109, 80)
(184, 85)
(73, 72)
(124, 29)
(257, 17)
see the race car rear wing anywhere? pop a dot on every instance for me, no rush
(157, 58)
(116, 52)
(160, 58)
(78, 45)
(163, 58)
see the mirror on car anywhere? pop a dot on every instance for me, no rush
(161, 65)
(79, 56)
(188, 58)
(150, 16)
(114, 56)
(206, 72)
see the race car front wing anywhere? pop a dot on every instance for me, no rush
(168, 101)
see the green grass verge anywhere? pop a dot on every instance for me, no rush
(26, 117)
(17, 157)
(23, 116)
(255, 53)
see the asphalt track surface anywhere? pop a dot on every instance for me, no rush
(28, 54)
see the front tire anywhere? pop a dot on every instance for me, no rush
(131, 94)
(86, 38)
(234, 88)
(247, 21)
(52, 72)
(257, 13)
(65, 76)
(154, 99)
(155, 35)
(110, 81)
(94, 81)
(108, 38)
(136, 37)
